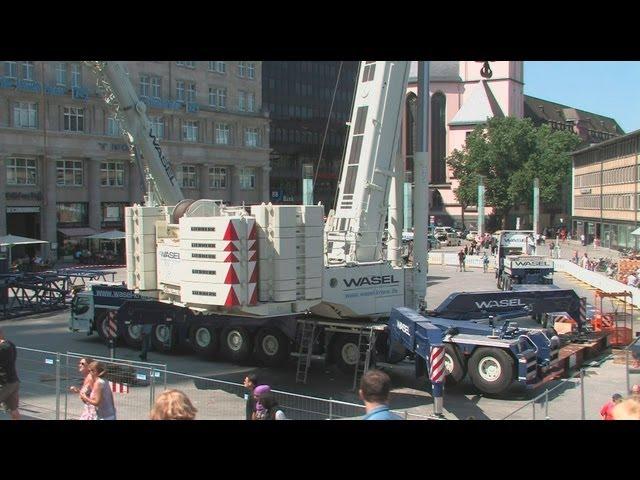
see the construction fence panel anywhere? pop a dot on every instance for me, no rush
(214, 399)
(39, 374)
(134, 386)
(564, 400)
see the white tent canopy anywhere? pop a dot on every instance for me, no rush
(110, 235)
(11, 240)
(636, 232)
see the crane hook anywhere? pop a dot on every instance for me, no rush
(485, 71)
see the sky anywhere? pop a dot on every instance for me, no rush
(611, 88)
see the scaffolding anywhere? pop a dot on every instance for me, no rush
(614, 317)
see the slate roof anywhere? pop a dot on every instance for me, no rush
(438, 72)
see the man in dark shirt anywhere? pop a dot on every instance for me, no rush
(9, 383)
(250, 382)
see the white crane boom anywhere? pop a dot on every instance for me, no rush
(358, 223)
(120, 94)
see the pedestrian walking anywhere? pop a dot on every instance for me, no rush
(101, 395)
(375, 387)
(173, 405)
(250, 383)
(9, 381)
(89, 411)
(606, 412)
(552, 246)
(461, 258)
(270, 410)
(145, 333)
(583, 240)
(485, 262)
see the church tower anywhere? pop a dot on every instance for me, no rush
(506, 84)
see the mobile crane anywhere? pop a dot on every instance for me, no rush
(271, 279)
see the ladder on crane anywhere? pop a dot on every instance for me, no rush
(366, 343)
(307, 337)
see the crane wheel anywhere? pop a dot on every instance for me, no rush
(345, 352)
(454, 364)
(132, 336)
(164, 337)
(236, 344)
(204, 340)
(271, 347)
(491, 370)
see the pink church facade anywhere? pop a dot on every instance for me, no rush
(460, 100)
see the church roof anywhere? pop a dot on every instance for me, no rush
(438, 72)
(480, 106)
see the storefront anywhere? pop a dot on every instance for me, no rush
(24, 222)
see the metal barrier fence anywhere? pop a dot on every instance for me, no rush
(569, 391)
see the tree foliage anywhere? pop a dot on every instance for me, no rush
(510, 153)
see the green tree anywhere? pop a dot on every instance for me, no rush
(510, 153)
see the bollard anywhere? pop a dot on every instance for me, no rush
(112, 349)
(582, 416)
(437, 399)
(533, 404)
(57, 386)
(406, 415)
(330, 408)
(546, 404)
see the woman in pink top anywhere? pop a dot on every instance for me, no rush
(89, 411)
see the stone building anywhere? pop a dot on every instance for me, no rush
(67, 167)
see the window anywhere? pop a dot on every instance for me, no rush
(76, 75)
(11, 70)
(251, 137)
(251, 71)
(368, 71)
(113, 127)
(27, 71)
(73, 119)
(157, 126)
(251, 102)
(218, 178)
(188, 176)
(112, 212)
(155, 87)
(438, 138)
(242, 68)
(25, 115)
(112, 174)
(241, 101)
(69, 173)
(187, 64)
(222, 134)
(21, 171)
(145, 86)
(247, 178)
(61, 74)
(180, 90)
(191, 92)
(190, 131)
(72, 213)
(218, 67)
(218, 97)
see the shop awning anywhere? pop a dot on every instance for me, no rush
(77, 232)
(111, 235)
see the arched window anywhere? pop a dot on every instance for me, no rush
(410, 139)
(438, 138)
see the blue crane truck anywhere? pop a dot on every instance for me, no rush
(493, 358)
(465, 319)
